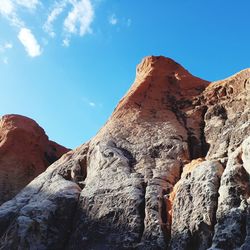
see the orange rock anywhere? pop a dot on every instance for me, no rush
(25, 152)
(156, 78)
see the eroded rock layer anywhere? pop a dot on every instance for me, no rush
(25, 152)
(169, 170)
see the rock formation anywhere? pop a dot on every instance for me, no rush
(169, 170)
(25, 152)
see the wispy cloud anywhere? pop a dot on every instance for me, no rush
(6, 7)
(78, 19)
(65, 42)
(119, 22)
(29, 42)
(29, 4)
(6, 46)
(3, 48)
(113, 20)
(9, 9)
(53, 15)
(91, 103)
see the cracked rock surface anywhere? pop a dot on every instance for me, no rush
(169, 170)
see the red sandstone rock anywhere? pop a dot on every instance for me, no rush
(25, 152)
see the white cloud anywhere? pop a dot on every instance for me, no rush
(29, 4)
(29, 42)
(9, 9)
(6, 7)
(57, 10)
(119, 22)
(9, 6)
(113, 20)
(78, 18)
(65, 42)
(81, 15)
(90, 103)
(5, 46)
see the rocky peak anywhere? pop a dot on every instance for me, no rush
(158, 65)
(158, 81)
(25, 152)
(12, 122)
(13, 125)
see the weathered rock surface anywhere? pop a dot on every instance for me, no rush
(170, 169)
(194, 207)
(25, 152)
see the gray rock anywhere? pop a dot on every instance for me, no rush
(195, 207)
(231, 216)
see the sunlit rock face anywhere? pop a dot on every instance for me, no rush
(25, 152)
(169, 170)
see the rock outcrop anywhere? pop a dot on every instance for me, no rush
(170, 169)
(25, 152)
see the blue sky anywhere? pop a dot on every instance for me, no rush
(67, 63)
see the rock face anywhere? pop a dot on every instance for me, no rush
(25, 152)
(169, 170)
(195, 205)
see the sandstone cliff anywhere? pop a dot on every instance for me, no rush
(169, 170)
(25, 152)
